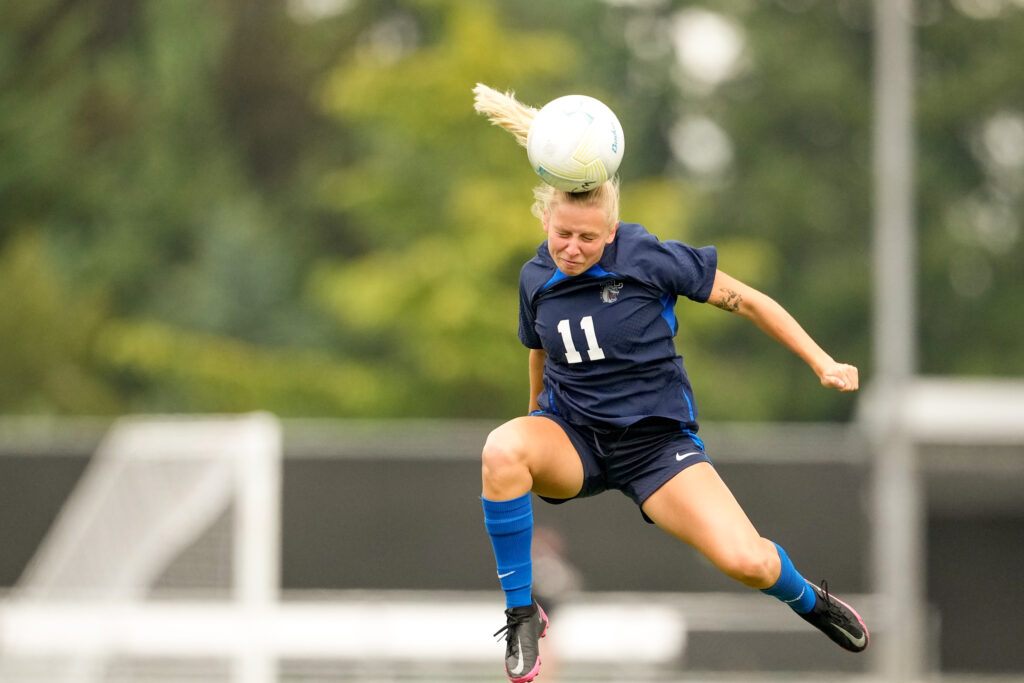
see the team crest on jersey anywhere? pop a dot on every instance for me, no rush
(610, 292)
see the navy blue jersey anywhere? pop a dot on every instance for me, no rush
(608, 332)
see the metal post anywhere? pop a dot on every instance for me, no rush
(898, 506)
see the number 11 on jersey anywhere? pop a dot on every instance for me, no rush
(594, 351)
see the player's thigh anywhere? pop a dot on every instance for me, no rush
(546, 451)
(697, 507)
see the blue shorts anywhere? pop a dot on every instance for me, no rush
(636, 460)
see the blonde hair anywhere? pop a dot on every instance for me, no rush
(505, 111)
(604, 196)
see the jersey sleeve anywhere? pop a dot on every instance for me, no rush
(678, 268)
(527, 316)
(695, 275)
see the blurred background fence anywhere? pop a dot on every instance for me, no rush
(382, 571)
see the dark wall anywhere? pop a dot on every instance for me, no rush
(32, 489)
(974, 577)
(415, 524)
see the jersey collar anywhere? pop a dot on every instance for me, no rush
(593, 271)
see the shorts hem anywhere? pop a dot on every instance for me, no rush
(595, 477)
(640, 499)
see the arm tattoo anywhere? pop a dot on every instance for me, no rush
(730, 300)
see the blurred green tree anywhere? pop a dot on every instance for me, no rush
(970, 104)
(142, 185)
(46, 333)
(291, 206)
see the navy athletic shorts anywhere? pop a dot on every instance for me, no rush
(636, 460)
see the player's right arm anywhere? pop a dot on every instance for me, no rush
(731, 295)
(537, 358)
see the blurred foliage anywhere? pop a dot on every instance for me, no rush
(226, 205)
(46, 331)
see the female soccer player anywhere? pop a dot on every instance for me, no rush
(611, 406)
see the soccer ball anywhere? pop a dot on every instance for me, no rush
(575, 143)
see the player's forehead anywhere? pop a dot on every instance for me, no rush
(578, 218)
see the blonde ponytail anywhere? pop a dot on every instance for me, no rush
(504, 110)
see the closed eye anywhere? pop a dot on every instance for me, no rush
(584, 237)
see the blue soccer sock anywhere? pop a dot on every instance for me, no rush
(510, 525)
(791, 588)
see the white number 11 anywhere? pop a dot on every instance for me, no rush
(594, 352)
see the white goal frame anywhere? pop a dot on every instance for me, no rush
(51, 616)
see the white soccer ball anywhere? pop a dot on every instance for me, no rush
(575, 143)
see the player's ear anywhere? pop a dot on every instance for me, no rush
(612, 233)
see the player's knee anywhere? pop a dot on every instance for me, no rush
(751, 566)
(502, 455)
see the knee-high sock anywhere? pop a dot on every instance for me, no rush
(791, 588)
(510, 526)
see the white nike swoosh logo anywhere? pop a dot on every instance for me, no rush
(857, 642)
(802, 591)
(520, 665)
(683, 456)
(502, 576)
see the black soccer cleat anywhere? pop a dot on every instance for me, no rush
(838, 621)
(526, 626)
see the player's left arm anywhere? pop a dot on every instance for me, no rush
(731, 295)
(537, 359)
